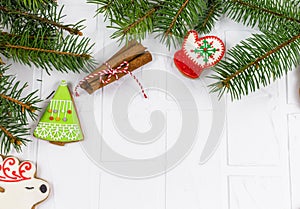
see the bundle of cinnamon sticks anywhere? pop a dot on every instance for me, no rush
(134, 53)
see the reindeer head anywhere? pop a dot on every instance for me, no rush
(19, 188)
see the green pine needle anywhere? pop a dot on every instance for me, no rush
(266, 14)
(32, 4)
(46, 17)
(136, 25)
(37, 38)
(136, 19)
(15, 110)
(13, 134)
(110, 8)
(257, 62)
(173, 24)
(69, 54)
(209, 17)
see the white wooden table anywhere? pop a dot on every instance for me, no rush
(256, 166)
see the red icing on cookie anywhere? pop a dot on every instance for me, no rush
(198, 54)
(11, 171)
(19, 188)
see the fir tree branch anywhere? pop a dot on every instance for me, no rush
(12, 135)
(20, 36)
(256, 62)
(29, 5)
(209, 17)
(64, 54)
(13, 112)
(9, 135)
(105, 7)
(138, 21)
(171, 26)
(36, 4)
(175, 18)
(24, 106)
(10, 98)
(85, 56)
(135, 19)
(36, 37)
(269, 56)
(267, 15)
(270, 11)
(46, 21)
(127, 29)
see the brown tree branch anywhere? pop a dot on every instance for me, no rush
(265, 10)
(23, 105)
(169, 30)
(259, 59)
(47, 51)
(41, 19)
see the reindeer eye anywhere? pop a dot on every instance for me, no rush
(29, 188)
(2, 190)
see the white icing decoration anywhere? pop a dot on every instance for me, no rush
(191, 44)
(63, 83)
(15, 194)
(61, 106)
(58, 131)
(51, 107)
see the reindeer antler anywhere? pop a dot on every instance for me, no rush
(11, 170)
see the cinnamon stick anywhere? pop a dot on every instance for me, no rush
(134, 53)
(124, 48)
(128, 55)
(133, 65)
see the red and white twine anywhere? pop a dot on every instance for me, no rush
(110, 72)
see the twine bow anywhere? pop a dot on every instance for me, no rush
(110, 72)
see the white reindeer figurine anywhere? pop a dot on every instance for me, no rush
(19, 188)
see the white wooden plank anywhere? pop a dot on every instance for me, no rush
(294, 146)
(257, 192)
(293, 83)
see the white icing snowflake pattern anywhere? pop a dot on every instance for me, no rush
(58, 131)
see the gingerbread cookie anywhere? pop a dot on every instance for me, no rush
(60, 124)
(19, 188)
(198, 53)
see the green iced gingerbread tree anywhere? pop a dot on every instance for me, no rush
(253, 63)
(32, 33)
(60, 123)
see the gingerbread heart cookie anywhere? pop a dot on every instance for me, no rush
(198, 54)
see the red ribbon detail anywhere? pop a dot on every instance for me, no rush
(110, 72)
